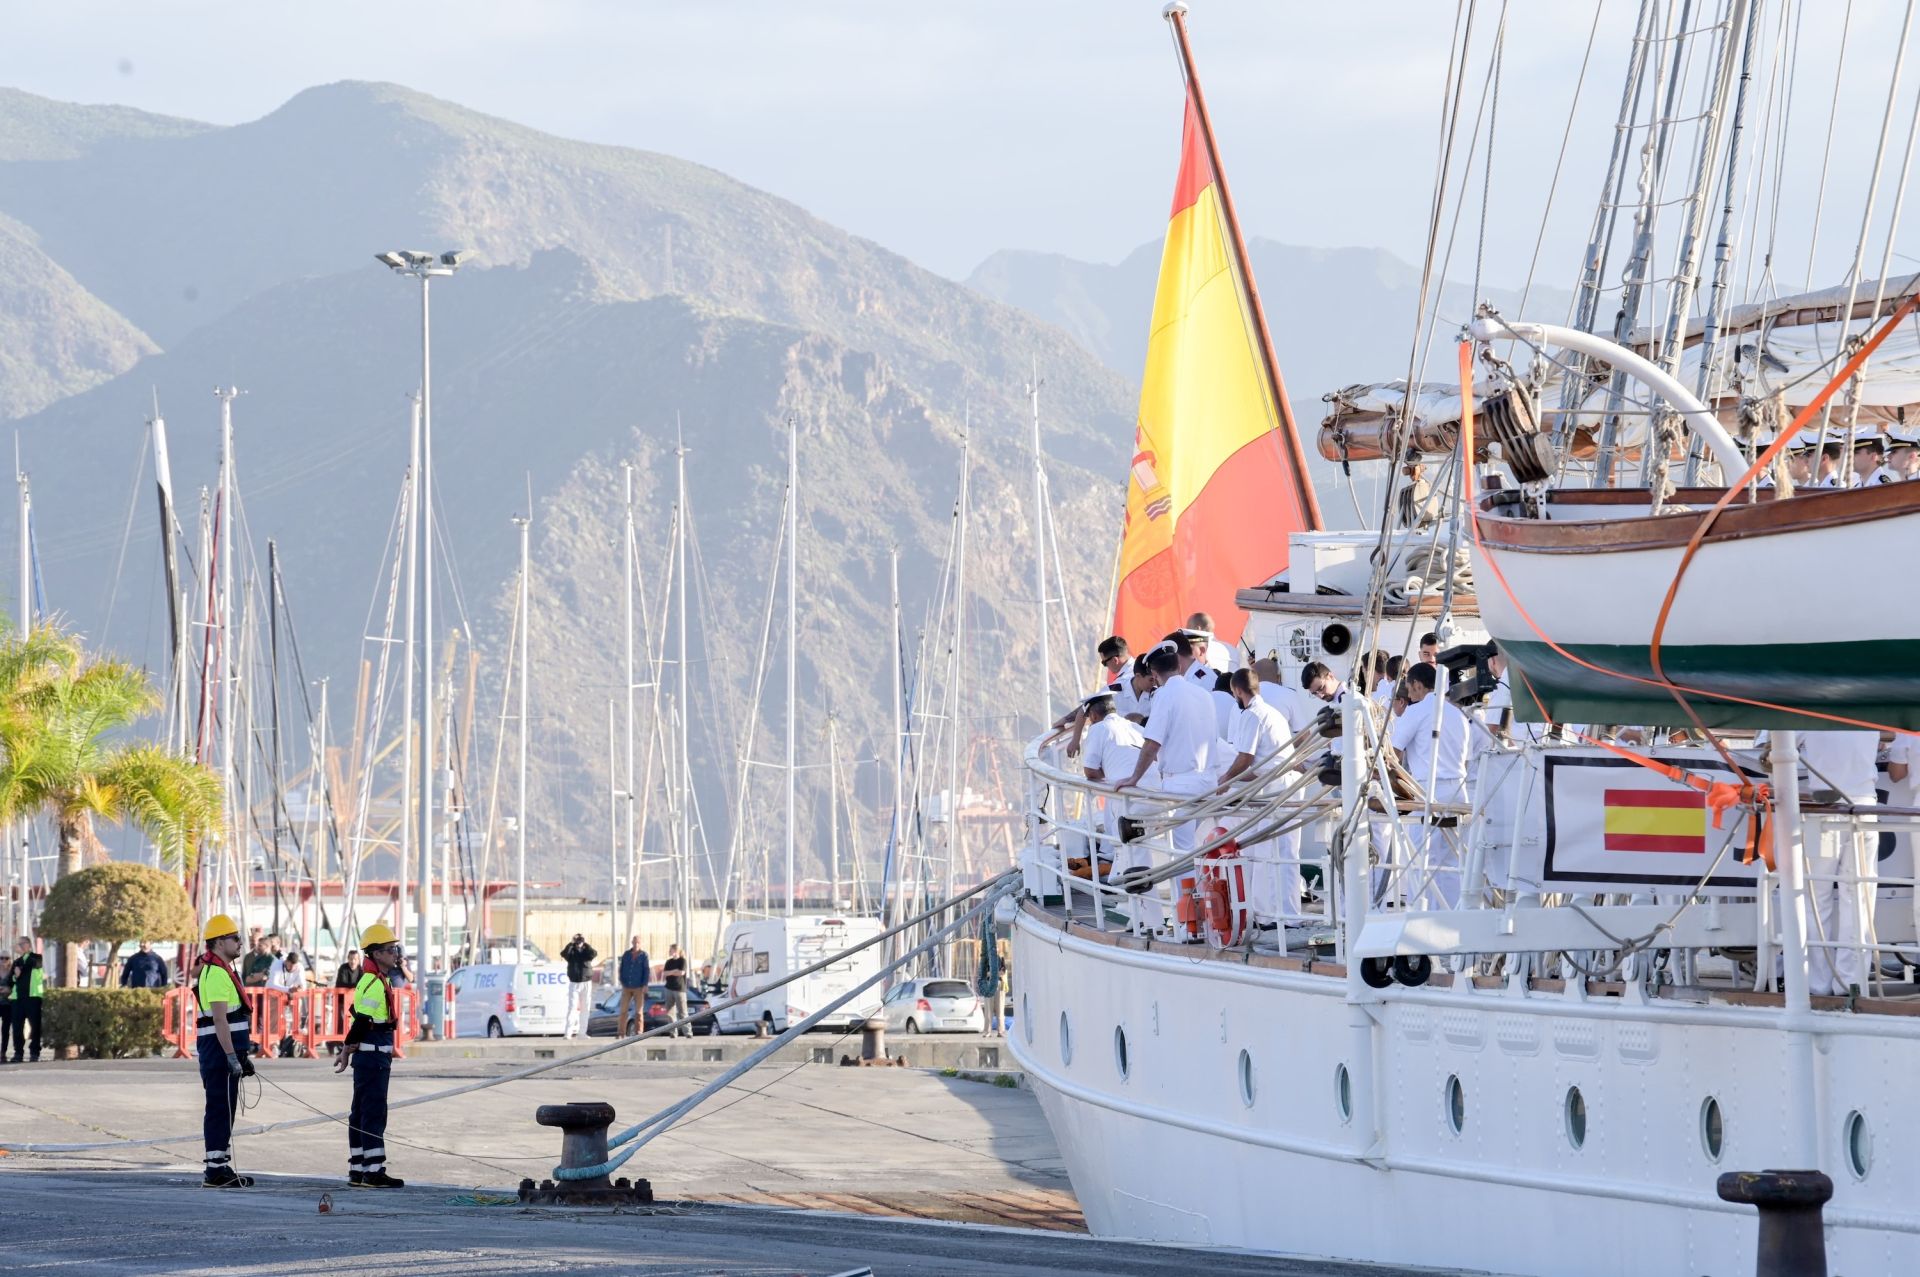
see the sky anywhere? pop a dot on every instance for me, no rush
(950, 131)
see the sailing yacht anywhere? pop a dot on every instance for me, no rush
(1556, 1072)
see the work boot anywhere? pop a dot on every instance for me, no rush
(225, 1177)
(354, 1178)
(376, 1179)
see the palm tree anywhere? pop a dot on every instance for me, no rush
(63, 752)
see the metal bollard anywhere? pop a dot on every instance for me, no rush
(583, 1142)
(1793, 1240)
(873, 1039)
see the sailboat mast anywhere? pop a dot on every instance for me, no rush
(170, 564)
(683, 894)
(520, 803)
(1040, 551)
(25, 826)
(1176, 15)
(899, 740)
(235, 830)
(412, 658)
(627, 791)
(833, 813)
(956, 741)
(793, 632)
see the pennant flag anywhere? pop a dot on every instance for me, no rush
(1218, 480)
(1670, 820)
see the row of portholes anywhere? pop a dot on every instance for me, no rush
(1855, 1135)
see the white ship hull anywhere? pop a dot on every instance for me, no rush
(1174, 1151)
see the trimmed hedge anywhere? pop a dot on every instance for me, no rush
(105, 1024)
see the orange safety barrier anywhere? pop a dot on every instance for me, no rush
(315, 1019)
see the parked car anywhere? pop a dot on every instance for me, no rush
(935, 1006)
(654, 1013)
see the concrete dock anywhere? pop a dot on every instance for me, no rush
(798, 1169)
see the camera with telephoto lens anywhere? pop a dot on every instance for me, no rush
(1470, 673)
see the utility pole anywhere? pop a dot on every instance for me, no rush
(24, 826)
(425, 267)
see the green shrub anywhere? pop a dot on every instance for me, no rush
(116, 902)
(106, 1024)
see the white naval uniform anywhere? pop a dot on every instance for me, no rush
(1273, 874)
(1842, 760)
(1442, 763)
(1182, 723)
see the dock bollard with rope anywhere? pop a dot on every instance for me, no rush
(992, 890)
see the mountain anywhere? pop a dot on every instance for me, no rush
(56, 338)
(612, 291)
(1338, 315)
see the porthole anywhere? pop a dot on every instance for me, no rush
(1858, 1137)
(1246, 1079)
(1456, 1104)
(1026, 1017)
(1576, 1115)
(1713, 1131)
(1120, 1051)
(1066, 1040)
(1343, 1092)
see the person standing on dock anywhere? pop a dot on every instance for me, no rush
(579, 956)
(368, 1047)
(673, 982)
(635, 974)
(26, 983)
(222, 1030)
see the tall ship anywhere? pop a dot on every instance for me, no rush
(1580, 875)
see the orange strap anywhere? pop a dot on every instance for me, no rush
(1493, 564)
(1729, 795)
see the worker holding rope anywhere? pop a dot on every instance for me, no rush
(368, 1046)
(224, 1047)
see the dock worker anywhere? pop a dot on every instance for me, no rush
(368, 1046)
(26, 985)
(223, 1044)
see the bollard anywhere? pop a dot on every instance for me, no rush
(1793, 1240)
(873, 1039)
(873, 1046)
(583, 1129)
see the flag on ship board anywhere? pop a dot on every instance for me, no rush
(1218, 480)
(1669, 820)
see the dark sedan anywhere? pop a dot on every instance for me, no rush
(606, 1013)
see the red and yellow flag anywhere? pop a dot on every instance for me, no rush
(1216, 486)
(1671, 820)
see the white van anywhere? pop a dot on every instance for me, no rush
(760, 951)
(498, 1000)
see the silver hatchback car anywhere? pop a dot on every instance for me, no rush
(935, 1006)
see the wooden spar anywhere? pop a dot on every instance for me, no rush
(1176, 14)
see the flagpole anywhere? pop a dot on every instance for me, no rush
(1176, 16)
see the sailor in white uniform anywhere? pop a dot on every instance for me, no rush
(1870, 462)
(1110, 752)
(1846, 762)
(1180, 738)
(1273, 874)
(1903, 452)
(1431, 737)
(1218, 656)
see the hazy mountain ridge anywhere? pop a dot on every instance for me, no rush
(559, 360)
(56, 338)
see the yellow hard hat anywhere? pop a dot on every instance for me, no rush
(219, 925)
(379, 933)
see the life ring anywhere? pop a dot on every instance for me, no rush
(1221, 884)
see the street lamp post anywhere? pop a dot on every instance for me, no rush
(424, 267)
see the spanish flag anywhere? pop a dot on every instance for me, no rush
(1671, 820)
(1218, 480)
